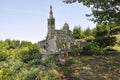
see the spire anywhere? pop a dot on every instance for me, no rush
(51, 13)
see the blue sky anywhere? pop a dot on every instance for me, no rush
(27, 19)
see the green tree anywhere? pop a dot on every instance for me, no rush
(19, 60)
(115, 30)
(77, 32)
(101, 30)
(26, 44)
(87, 32)
(103, 37)
(3, 55)
(14, 44)
(103, 11)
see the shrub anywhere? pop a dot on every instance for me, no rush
(69, 62)
(3, 55)
(48, 62)
(91, 48)
(27, 74)
(74, 49)
(34, 62)
(115, 30)
(4, 74)
(49, 75)
(25, 54)
(32, 74)
(89, 39)
(105, 41)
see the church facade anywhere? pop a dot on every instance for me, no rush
(57, 39)
(61, 35)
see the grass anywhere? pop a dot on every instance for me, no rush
(117, 48)
(118, 37)
(102, 67)
(105, 67)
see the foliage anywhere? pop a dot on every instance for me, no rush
(29, 55)
(22, 61)
(93, 31)
(116, 47)
(4, 73)
(3, 55)
(69, 62)
(48, 61)
(89, 38)
(76, 32)
(118, 39)
(115, 30)
(101, 30)
(103, 11)
(18, 60)
(87, 32)
(105, 41)
(30, 74)
(50, 75)
(103, 37)
(74, 47)
(91, 48)
(74, 50)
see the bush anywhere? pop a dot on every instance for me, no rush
(25, 54)
(19, 60)
(49, 75)
(27, 74)
(92, 49)
(4, 74)
(26, 57)
(105, 41)
(48, 61)
(3, 55)
(115, 30)
(69, 62)
(32, 74)
(110, 49)
(74, 49)
(34, 62)
(89, 39)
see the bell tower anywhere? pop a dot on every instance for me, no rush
(51, 24)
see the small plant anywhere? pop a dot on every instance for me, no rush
(3, 55)
(69, 62)
(48, 62)
(91, 48)
(89, 38)
(49, 75)
(105, 41)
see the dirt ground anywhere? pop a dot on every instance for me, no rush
(102, 67)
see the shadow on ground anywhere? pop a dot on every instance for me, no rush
(103, 67)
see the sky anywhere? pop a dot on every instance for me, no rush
(27, 19)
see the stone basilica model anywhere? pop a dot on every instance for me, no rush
(62, 34)
(56, 39)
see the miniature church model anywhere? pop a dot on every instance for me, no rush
(56, 39)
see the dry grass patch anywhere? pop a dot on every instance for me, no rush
(105, 67)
